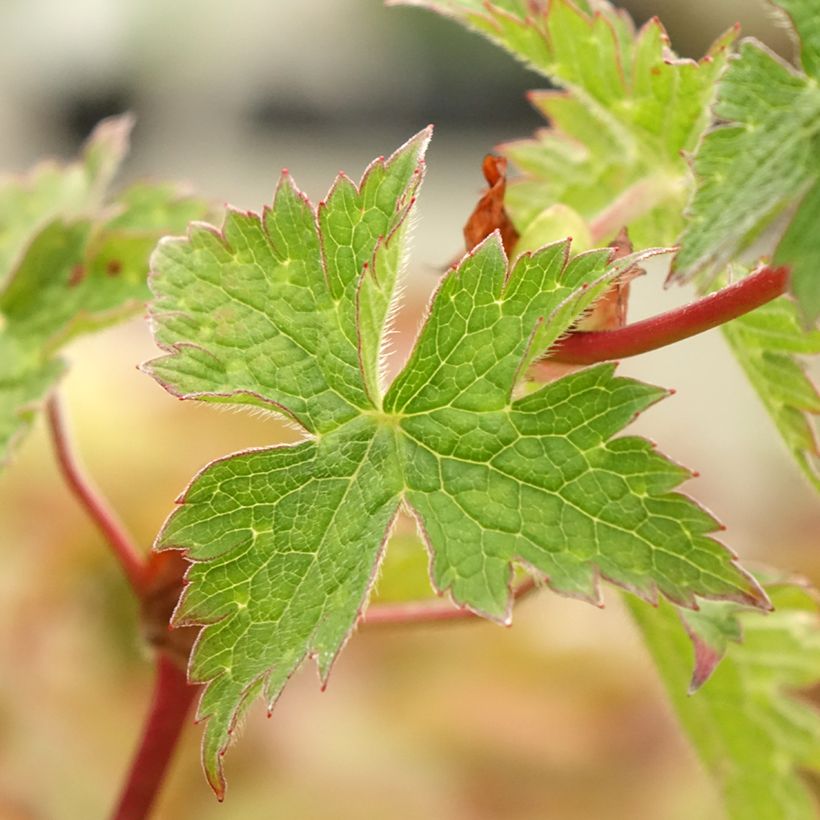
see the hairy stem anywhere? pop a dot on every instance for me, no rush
(421, 612)
(650, 334)
(171, 703)
(121, 543)
(173, 694)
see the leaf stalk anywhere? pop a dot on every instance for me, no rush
(99, 510)
(166, 718)
(590, 347)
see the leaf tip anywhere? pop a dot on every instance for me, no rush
(707, 659)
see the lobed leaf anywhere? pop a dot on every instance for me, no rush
(613, 154)
(266, 312)
(286, 310)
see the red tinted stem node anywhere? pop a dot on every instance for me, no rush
(166, 719)
(121, 543)
(589, 347)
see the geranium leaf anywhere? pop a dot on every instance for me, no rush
(286, 311)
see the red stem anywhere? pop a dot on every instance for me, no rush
(121, 543)
(420, 612)
(749, 293)
(172, 700)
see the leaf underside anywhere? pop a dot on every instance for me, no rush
(287, 310)
(70, 264)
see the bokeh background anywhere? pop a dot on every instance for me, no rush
(560, 716)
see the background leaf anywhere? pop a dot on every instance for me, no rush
(70, 263)
(768, 343)
(763, 153)
(613, 151)
(750, 728)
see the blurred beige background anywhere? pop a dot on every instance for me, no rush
(559, 717)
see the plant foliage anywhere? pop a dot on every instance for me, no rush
(287, 311)
(72, 261)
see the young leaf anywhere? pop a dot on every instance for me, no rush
(751, 731)
(286, 311)
(614, 149)
(70, 264)
(764, 152)
(767, 343)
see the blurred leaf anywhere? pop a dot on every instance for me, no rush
(767, 342)
(72, 264)
(804, 16)
(50, 190)
(24, 381)
(800, 250)
(614, 149)
(752, 732)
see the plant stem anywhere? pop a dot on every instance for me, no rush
(172, 700)
(421, 612)
(173, 695)
(650, 334)
(121, 543)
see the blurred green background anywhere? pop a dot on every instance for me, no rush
(558, 717)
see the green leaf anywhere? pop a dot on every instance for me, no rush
(763, 154)
(804, 18)
(268, 308)
(72, 263)
(767, 342)
(24, 382)
(800, 250)
(751, 731)
(614, 149)
(286, 311)
(50, 191)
